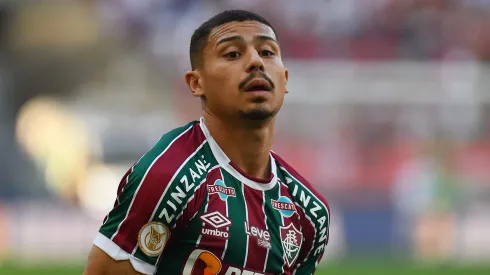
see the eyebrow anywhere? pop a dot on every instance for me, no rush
(240, 38)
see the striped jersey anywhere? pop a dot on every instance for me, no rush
(185, 208)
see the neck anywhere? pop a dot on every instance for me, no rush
(247, 146)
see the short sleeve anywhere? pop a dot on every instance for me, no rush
(151, 205)
(155, 198)
(121, 233)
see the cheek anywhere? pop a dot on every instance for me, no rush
(281, 79)
(222, 78)
(221, 87)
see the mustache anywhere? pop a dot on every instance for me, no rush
(253, 75)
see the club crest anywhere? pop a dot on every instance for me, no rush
(291, 239)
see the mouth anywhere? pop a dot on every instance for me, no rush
(258, 85)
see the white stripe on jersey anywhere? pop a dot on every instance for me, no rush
(227, 228)
(312, 224)
(282, 224)
(205, 207)
(309, 191)
(192, 197)
(266, 228)
(246, 219)
(170, 181)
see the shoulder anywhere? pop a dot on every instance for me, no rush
(302, 190)
(171, 150)
(312, 203)
(169, 173)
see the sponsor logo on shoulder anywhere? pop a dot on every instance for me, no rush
(218, 222)
(152, 238)
(263, 236)
(221, 189)
(284, 205)
(291, 239)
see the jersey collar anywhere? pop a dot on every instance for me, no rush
(225, 163)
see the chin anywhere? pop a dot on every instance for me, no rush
(259, 114)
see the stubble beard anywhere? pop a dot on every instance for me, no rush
(257, 114)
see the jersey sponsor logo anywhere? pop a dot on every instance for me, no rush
(263, 236)
(215, 233)
(291, 239)
(221, 189)
(213, 265)
(152, 238)
(284, 205)
(216, 220)
(237, 271)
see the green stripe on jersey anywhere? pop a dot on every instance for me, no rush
(118, 214)
(313, 208)
(275, 258)
(237, 212)
(187, 180)
(176, 255)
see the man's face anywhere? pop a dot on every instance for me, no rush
(243, 74)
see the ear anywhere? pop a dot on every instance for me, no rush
(194, 81)
(286, 74)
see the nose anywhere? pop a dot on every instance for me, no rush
(255, 63)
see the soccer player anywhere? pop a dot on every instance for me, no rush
(210, 197)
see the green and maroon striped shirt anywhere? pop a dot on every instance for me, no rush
(185, 208)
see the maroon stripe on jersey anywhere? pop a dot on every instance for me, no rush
(309, 235)
(157, 178)
(295, 216)
(192, 207)
(212, 238)
(256, 229)
(121, 186)
(195, 201)
(306, 183)
(295, 219)
(124, 181)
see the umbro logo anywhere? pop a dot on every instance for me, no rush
(216, 220)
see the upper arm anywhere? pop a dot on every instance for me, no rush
(315, 221)
(155, 199)
(316, 235)
(133, 223)
(312, 254)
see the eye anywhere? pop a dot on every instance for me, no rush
(266, 53)
(232, 55)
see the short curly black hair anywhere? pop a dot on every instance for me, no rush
(200, 36)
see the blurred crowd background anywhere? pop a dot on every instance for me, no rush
(388, 116)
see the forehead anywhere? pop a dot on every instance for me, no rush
(247, 29)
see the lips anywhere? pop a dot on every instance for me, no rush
(257, 85)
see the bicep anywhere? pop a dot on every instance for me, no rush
(99, 263)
